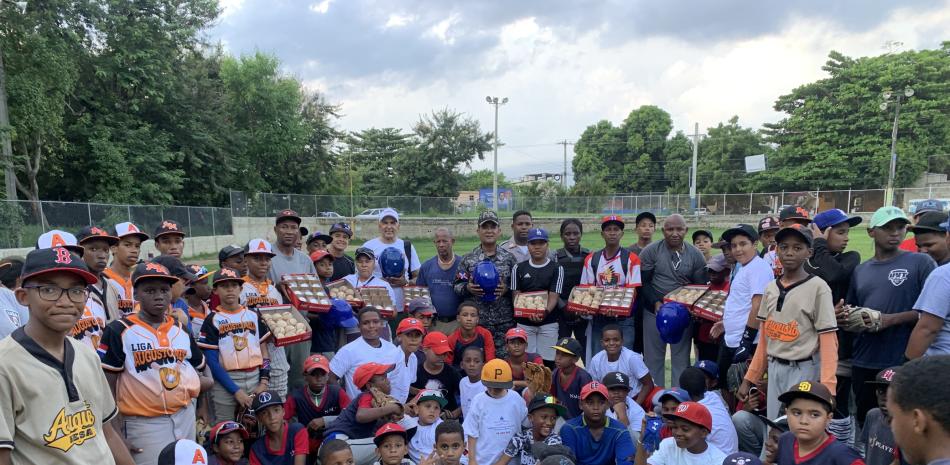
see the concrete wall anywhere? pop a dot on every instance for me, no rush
(193, 246)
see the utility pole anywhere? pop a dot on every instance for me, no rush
(565, 143)
(6, 147)
(889, 197)
(494, 181)
(692, 172)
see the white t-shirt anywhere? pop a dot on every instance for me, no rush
(493, 422)
(467, 391)
(423, 442)
(629, 363)
(12, 314)
(635, 414)
(723, 434)
(407, 375)
(377, 245)
(358, 352)
(749, 281)
(669, 454)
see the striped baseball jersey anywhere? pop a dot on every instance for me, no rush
(123, 288)
(237, 336)
(610, 271)
(157, 367)
(197, 316)
(91, 324)
(52, 411)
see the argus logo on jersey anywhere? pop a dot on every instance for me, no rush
(69, 430)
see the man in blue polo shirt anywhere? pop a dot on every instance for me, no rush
(438, 274)
(594, 438)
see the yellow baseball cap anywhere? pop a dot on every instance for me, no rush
(497, 374)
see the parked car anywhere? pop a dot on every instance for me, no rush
(329, 215)
(370, 213)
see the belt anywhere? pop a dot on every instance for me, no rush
(782, 361)
(445, 319)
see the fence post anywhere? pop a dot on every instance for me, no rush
(848, 207)
(89, 212)
(316, 210)
(214, 230)
(750, 203)
(419, 200)
(723, 204)
(129, 212)
(265, 204)
(817, 201)
(190, 232)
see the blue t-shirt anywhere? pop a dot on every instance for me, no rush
(440, 283)
(890, 286)
(615, 446)
(935, 300)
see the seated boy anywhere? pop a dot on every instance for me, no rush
(594, 438)
(543, 412)
(616, 357)
(568, 379)
(809, 406)
(282, 442)
(690, 423)
(429, 404)
(317, 403)
(469, 334)
(665, 402)
(336, 452)
(227, 443)
(495, 415)
(622, 407)
(516, 345)
(390, 443)
(356, 424)
(449, 442)
(876, 435)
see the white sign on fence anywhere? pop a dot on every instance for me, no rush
(755, 163)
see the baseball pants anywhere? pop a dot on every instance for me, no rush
(541, 339)
(296, 354)
(225, 404)
(152, 434)
(654, 352)
(279, 369)
(785, 375)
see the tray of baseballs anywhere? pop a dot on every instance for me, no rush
(530, 304)
(306, 293)
(617, 301)
(585, 299)
(342, 289)
(378, 297)
(414, 292)
(286, 324)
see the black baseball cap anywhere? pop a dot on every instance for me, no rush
(226, 274)
(266, 399)
(175, 267)
(341, 227)
(57, 259)
(702, 232)
(319, 236)
(740, 230)
(884, 377)
(543, 400)
(645, 215)
(365, 251)
(569, 346)
(152, 270)
(794, 212)
(796, 229)
(94, 232)
(768, 223)
(929, 222)
(616, 379)
(488, 216)
(229, 251)
(287, 214)
(167, 227)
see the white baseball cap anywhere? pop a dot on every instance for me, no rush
(389, 212)
(183, 452)
(258, 246)
(58, 238)
(129, 229)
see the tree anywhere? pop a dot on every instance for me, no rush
(722, 157)
(677, 163)
(447, 141)
(479, 179)
(373, 154)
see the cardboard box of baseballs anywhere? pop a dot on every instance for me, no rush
(585, 299)
(306, 293)
(617, 301)
(702, 302)
(378, 297)
(342, 289)
(529, 304)
(413, 292)
(286, 324)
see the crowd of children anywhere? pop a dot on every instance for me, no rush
(818, 358)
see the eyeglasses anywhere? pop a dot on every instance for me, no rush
(53, 293)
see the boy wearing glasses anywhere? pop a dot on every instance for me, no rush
(53, 389)
(152, 363)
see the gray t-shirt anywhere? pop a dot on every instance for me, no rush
(12, 314)
(282, 264)
(672, 269)
(935, 300)
(878, 438)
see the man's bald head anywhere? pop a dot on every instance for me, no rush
(674, 231)
(675, 220)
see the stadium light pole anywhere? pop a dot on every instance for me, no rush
(892, 172)
(6, 147)
(494, 179)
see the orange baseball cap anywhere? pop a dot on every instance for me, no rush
(318, 255)
(594, 387)
(386, 430)
(496, 373)
(366, 371)
(411, 324)
(314, 362)
(437, 342)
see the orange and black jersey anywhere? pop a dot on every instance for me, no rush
(237, 336)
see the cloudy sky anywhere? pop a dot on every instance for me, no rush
(565, 64)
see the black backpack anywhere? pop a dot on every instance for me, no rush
(624, 259)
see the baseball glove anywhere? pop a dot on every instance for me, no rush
(861, 319)
(381, 399)
(538, 377)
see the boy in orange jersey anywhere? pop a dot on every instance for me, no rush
(125, 253)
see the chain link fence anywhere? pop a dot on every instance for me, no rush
(22, 221)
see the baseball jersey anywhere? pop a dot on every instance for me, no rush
(629, 363)
(793, 317)
(123, 289)
(255, 294)
(157, 366)
(528, 277)
(237, 336)
(570, 393)
(294, 441)
(482, 339)
(52, 411)
(830, 452)
(197, 316)
(609, 271)
(91, 324)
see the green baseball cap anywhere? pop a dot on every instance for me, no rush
(885, 215)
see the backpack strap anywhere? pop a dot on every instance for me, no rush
(624, 260)
(407, 245)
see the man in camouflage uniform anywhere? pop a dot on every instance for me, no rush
(498, 316)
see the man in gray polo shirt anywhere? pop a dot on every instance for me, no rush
(290, 260)
(666, 265)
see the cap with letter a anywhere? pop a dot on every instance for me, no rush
(57, 238)
(258, 246)
(123, 230)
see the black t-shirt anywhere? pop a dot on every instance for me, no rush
(446, 381)
(342, 266)
(528, 277)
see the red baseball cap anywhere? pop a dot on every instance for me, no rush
(411, 324)
(692, 412)
(315, 361)
(318, 255)
(366, 371)
(615, 219)
(437, 342)
(386, 430)
(516, 333)
(226, 427)
(594, 387)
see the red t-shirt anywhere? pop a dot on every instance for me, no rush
(909, 245)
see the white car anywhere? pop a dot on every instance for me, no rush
(329, 215)
(370, 213)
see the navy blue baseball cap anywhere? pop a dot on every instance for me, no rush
(929, 205)
(834, 217)
(740, 230)
(946, 226)
(537, 234)
(709, 367)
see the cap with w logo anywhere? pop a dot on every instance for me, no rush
(126, 229)
(57, 259)
(57, 238)
(258, 246)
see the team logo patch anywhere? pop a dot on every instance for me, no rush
(682, 407)
(156, 267)
(240, 342)
(264, 397)
(14, 317)
(168, 225)
(69, 430)
(804, 386)
(785, 332)
(170, 377)
(888, 375)
(898, 276)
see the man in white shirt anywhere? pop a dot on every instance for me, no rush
(388, 237)
(369, 347)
